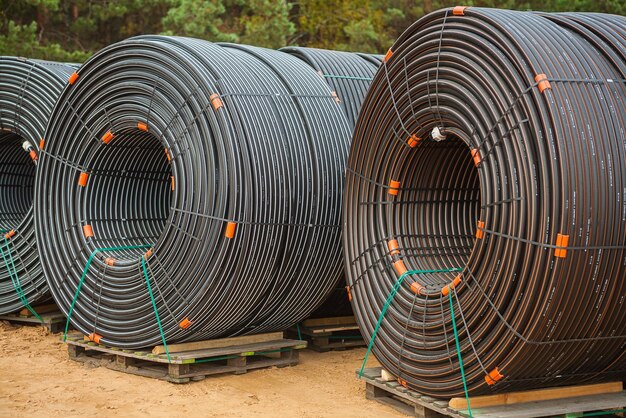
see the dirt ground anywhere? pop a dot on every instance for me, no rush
(37, 379)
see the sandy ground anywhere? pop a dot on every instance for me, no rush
(37, 379)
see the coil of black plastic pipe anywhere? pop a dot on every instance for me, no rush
(28, 91)
(486, 177)
(349, 76)
(218, 165)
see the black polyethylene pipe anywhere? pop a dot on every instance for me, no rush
(28, 91)
(225, 160)
(493, 142)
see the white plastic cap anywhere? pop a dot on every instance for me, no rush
(27, 146)
(437, 135)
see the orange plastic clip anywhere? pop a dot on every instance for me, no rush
(459, 10)
(416, 288)
(446, 289)
(87, 231)
(402, 382)
(95, 337)
(107, 137)
(185, 323)
(394, 187)
(42, 142)
(493, 377)
(542, 82)
(480, 233)
(148, 254)
(349, 293)
(334, 94)
(10, 234)
(413, 141)
(230, 230)
(388, 55)
(400, 267)
(142, 126)
(82, 179)
(476, 156)
(167, 154)
(33, 154)
(109, 261)
(393, 246)
(73, 78)
(561, 242)
(216, 101)
(173, 184)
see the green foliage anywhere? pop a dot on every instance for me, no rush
(72, 30)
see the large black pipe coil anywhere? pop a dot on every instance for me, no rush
(225, 160)
(28, 91)
(493, 142)
(349, 76)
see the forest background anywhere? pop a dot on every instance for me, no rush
(72, 30)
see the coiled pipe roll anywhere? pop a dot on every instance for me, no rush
(348, 74)
(225, 160)
(487, 177)
(28, 91)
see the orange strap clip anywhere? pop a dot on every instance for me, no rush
(561, 242)
(480, 233)
(33, 154)
(107, 137)
(416, 288)
(167, 154)
(95, 337)
(393, 246)
(87, 231)
(73, 78)
(394, 187)
(173, 184)
(142, 126)
(109, 261)
(42, 142)
(82, 179)
(148, 254)
(493, 377)
(230, 230)
(388, 55)
(400, 267)
(10, 234)
(446, 289)
(402, 382)
(476, 157)
(185, 323)
(216, 101)
(349, 293)
(413, 141)
(542, 82)
(459, 10)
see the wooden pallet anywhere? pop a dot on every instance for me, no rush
(325, 334)
(239, 356)
(51, 318)
(552, 402)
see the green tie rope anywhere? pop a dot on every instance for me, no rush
(458, 352)
(392, 294)
(10, 265)
(156, 312)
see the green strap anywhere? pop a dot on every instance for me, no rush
(458, 352)
(298, 328)
(392, 294)
(156, 312)
(347, 77)
(10, 265)
(82, 279)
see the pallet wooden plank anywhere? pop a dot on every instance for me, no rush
(241, 349)
(218, 343)
(337, 320)
(41, 309)
(536, 395)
